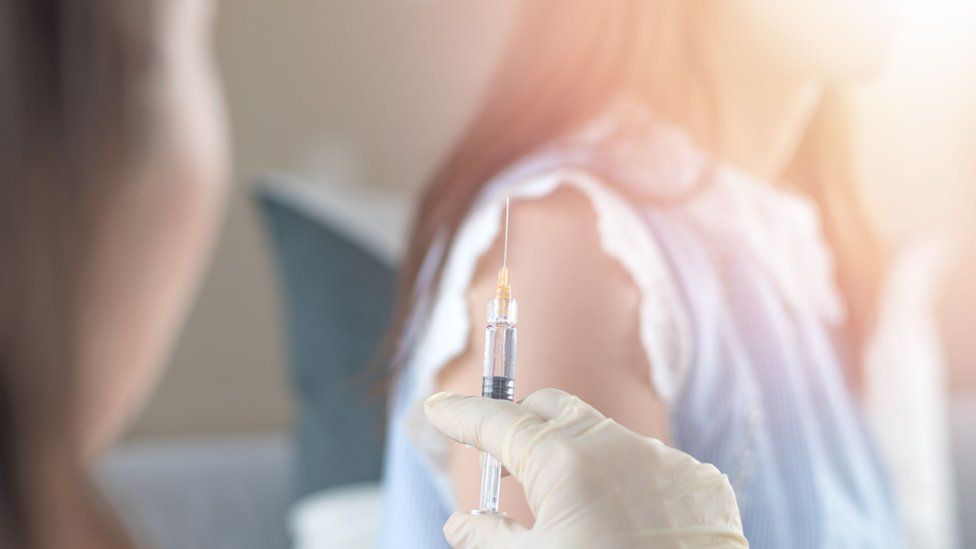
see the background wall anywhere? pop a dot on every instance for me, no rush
(363, 92)
(370, 92)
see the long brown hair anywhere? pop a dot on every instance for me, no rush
(68, 113)
(565, 60)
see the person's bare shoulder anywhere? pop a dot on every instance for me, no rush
(578, 307)
(578, 327)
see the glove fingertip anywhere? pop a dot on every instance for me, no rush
(455, 528)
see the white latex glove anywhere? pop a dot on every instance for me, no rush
(589, 481)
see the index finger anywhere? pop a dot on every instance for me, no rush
(485, 423)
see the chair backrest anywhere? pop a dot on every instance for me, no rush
(338, 299)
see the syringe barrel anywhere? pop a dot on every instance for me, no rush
(498, 382)
(498, 373)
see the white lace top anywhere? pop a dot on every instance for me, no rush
(736, 207)
(761, 395)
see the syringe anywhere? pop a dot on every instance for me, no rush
(498, 373)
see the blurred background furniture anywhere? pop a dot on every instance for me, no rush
(335, 253)
(336, 271)
(203, 493)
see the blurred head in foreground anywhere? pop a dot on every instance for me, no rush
(112, 169)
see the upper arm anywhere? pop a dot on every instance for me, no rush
(578, 325)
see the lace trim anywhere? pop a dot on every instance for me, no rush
(781, 231)
(779, 228)
(664, 326)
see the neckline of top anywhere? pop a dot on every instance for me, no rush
(652, 157)
(647, 156)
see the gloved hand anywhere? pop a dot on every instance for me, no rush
(589, 481)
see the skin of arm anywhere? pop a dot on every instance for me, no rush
(578, 329)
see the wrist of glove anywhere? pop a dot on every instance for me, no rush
(589, 481)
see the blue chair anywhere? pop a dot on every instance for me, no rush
(338, 298)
